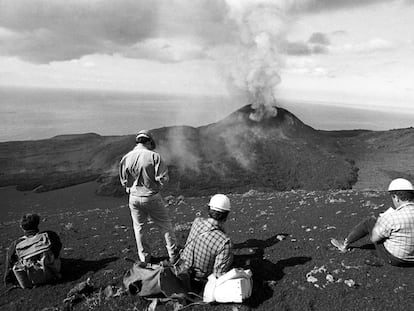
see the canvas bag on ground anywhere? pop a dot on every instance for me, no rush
(154, 281)
(37, 263)
(234, 286)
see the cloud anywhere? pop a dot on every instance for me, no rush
(62, 30)
(319, 49)
(296, 48)
(373, 45)
(165, 30)
(339, 33)
(319, 38)
(307, 66)
(318, 43)
(57, 30)
(315, 6)
(166, 50)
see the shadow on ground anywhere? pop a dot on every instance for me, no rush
(249, 255)
(74, 268)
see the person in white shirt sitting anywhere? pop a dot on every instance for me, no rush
(393, 231)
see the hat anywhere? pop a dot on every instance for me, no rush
(220, 203)
(400, 184)
(143, 133)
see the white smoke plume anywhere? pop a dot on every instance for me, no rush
(254, 63)
(177, 150)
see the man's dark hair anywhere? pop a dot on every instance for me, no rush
(30, 222)
(219, 216)
(143, 140)
(404, 195)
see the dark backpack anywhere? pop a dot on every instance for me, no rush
(36, 262)
(153, 281)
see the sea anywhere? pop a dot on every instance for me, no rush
(33, 114)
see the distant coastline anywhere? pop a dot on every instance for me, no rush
(32, 114)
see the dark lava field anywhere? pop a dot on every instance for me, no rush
(294, 266)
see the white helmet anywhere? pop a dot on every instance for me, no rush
(400, 184)
(220, 203)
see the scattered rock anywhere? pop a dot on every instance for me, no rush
(108, 292)
(120, 292)
(330, 278)
(333, 200)
(77, 293)
(280, 237)
(350, 267)
(398, 289)
(126, 250)
(69, 226)
(250, 193)
(350, 283)
(169, 198)
(271, 283)
(311, 279)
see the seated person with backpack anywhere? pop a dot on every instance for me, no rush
(33, 259)
(208, 249)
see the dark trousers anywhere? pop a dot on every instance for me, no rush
(364, 228)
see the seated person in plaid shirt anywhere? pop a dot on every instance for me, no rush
(393, 232)
(208, 249)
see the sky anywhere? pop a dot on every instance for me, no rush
(358, 53)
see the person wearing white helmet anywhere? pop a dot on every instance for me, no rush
(393, 231)
(208, 249)
(143, 173)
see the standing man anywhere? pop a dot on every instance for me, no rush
(208, 249)
(393, 232)
(143, 173)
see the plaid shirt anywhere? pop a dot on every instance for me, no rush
(397, 228)
(207, 253)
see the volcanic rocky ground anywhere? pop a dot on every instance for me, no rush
(294, 266)
(292, 188)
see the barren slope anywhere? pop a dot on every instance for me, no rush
(301, 272)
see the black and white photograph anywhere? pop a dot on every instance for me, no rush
(235, 155)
